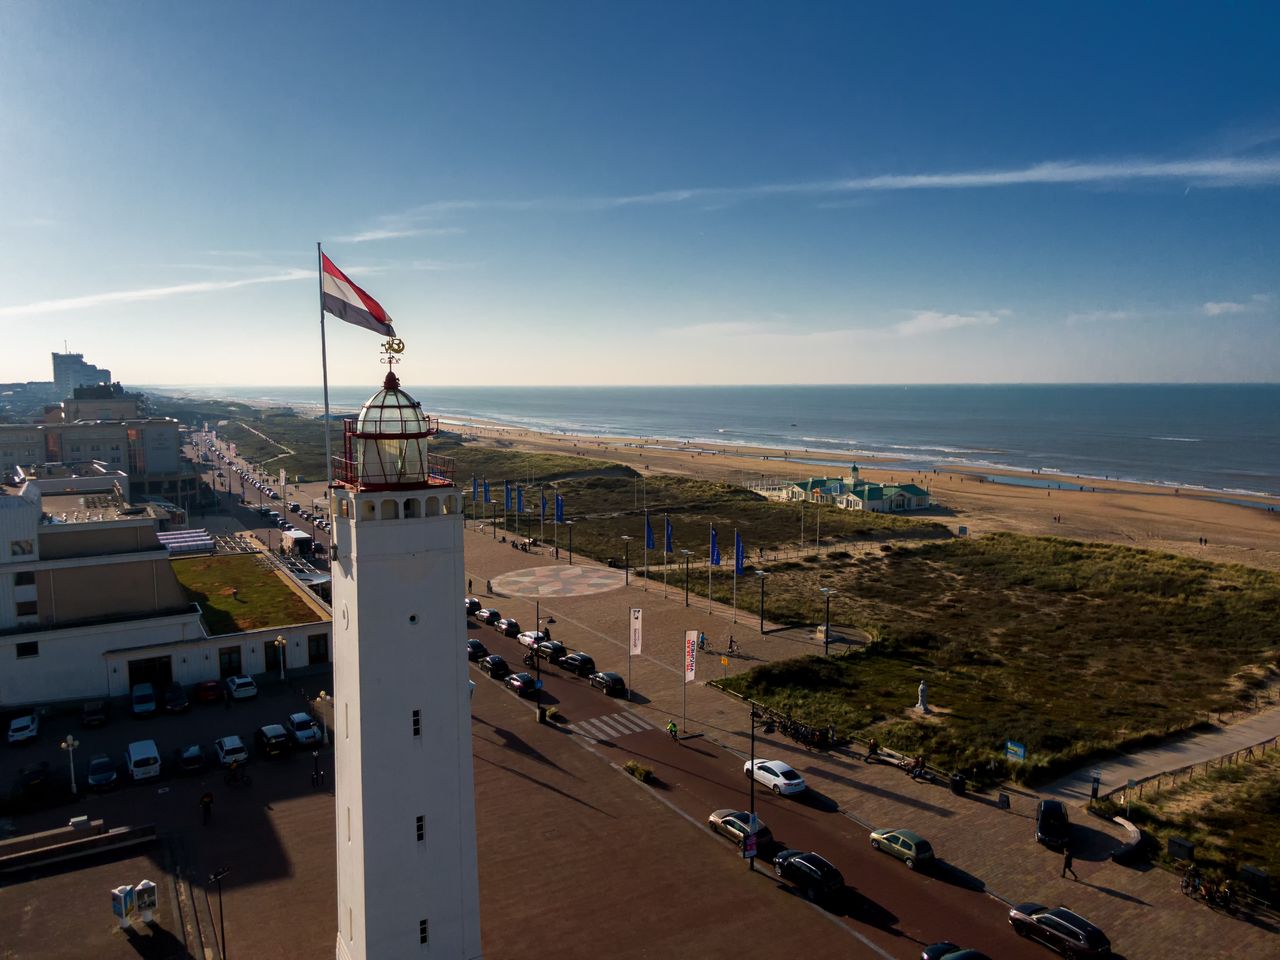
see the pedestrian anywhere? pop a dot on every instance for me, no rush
(468, 584)
(206, 807)
(488, 587)
(672, 730)
(546, 631)
(702, 640)
(1067, 860)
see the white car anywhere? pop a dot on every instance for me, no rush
(776, 775)
(24, 728)
(531, 638)
(241, 687)
(303, 729)
(230, 750)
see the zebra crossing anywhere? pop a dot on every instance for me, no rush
(611, 727)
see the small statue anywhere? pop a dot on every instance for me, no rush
(922, 704)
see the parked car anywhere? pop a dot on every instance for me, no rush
(946, 950)
(776, 775)
(736, 825)
(472, 604)
(190, 758)
(230, 750)
(32, 787)
(24, 728)
(476, 650)
(142, 760)
(522, 683)
(209, 691)
(579, 664)
(551, 650)
(494, 666)
(241, 687)
(94, 713)
(143, 699)
(103, 773)
(908, 846)
(1059, 929)
(815, 876)
(488, 615)
(175, 699)
(508, 627)
(1053, 829)
(303, 729)
(272, 739)
(611, 683)
(531, 638)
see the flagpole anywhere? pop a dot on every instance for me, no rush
(646, 550)
(324, 366)
(735, 576)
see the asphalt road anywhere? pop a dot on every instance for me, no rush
(893, 911)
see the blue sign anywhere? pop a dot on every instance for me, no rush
(1013, 750)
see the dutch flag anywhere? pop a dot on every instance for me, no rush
(346, 301)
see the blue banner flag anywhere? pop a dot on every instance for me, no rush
(543, 515)
(475, 484)
(486, 490)
(648, 532)
(715, 548)
(519, 499)
(506, 494)
(559, 509)
(739, 554)
(666, 546)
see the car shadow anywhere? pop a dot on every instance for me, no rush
(950, 873)
(815, 800)
(862, 909)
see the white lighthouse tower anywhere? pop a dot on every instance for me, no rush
(406, 834)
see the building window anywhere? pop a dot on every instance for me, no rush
(317, 648)
(25, 579)
(32, 649)
(417, 723)
(423, 936)
(21, 548)
(27, 608)
(422, 829)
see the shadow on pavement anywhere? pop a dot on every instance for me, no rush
(543, 783)
(859, 907)
(517, 744)
(1090, 845)
(157, 944)
(1115, 893)
(816, 800)
(639, 698)
(950, 873)
(881, 792)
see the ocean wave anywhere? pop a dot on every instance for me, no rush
(1177, 439)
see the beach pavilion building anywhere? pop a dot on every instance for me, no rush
(854, 493)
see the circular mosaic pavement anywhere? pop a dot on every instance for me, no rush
(560, 581)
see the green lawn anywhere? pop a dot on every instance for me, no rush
(261, 598)
(1072, 649)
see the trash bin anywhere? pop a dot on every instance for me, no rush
(542, 714)
(957, 784)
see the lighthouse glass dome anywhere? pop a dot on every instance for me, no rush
(385, 447)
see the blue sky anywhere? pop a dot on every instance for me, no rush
(644, 193)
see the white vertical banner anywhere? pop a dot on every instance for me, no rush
(690, 654)
(635, 631)
(283, 481)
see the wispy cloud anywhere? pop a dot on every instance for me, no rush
(1103, 316)
(1223, 307)
(397, 233)
(934, 321)
(148, 293)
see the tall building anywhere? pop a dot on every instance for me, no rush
(70, 371)
(405, 803)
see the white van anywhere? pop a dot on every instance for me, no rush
(142, 760)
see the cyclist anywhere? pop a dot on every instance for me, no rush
(672, 730)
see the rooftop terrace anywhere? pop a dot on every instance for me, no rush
(238, 593)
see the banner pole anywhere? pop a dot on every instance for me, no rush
(324, 366)
(710, 531)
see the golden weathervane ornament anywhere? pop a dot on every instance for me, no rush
(391, 351)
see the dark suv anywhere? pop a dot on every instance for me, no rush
(1059, 929)
(817, 878)
(1052, 826)
(551, 650)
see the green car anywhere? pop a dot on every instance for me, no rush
(909, 847)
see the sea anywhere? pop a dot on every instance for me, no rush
(1217, 437)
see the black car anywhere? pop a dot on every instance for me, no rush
(494, 666)
(1052, 827)
(94, 713)
(175, 699)
(1059, 929)
(472, 605)
(508, 626)
(190, 758)
(476, 650)
(611, 683)
(522, 683)
(272, 739)
(817, 878)
(578, 663)
(551, 650)
(103, 774)
(489, 615)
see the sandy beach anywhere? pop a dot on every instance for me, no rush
(1150, 517)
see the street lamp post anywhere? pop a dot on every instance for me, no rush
(626, 561)
(70, 745)
(281, 645)
(569, 524)
(686, 553)
(761, 574)
(826, 629)
(216, 877)
(324, 723)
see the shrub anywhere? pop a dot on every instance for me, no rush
(638, 770)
